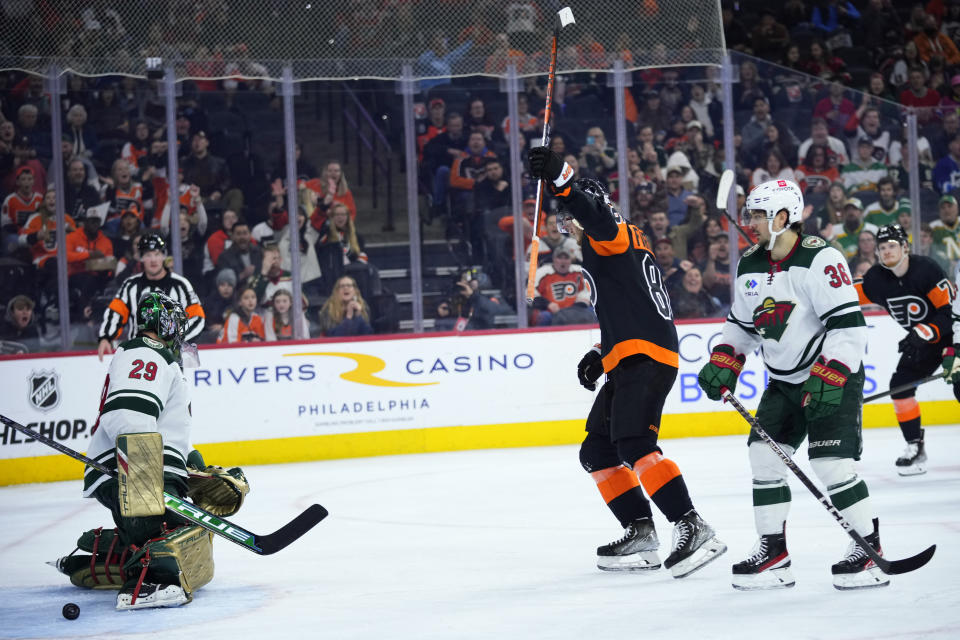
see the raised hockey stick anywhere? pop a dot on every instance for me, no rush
(891, 567)
(262, 545)
(723, 195)
(565, 17)
(904, 387)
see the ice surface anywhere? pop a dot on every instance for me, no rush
(500, 544)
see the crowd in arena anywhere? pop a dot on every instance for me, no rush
(820, 98)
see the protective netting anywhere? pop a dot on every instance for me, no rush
(352, 38)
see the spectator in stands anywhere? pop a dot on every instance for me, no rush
(946, 173)
(863, 173)
(278, 319)
(473, 308)
(754, 132)
(137, 147)
(84, 139)
(700, 103)
(122, 191)
(21, 204)
(949, 127)
(848, 236)
(219, 240)
(901, 172)
(477, 119)
(672, 267)
(124, 235)
(815, 174)
(433, 125)
(89, 259)
(580, 312)
(218, 303)
(671, 95)
(107, 118)
(597, 156)
(866, 249)
(191, 249)
(774, 168)
(465, 171)
(716, 270)
(821, 62)
(528, 122)
(502, 55)
(888, 208)
(835, 109)
(20, 325)
(28, 125)
(820, 134)
(557, 285)
(243, 323)
(658, 226)
(690, 300)
(307, 239)
(880, 25)
(80, 196)
(880, 93)
(930, 249)
(21, 156)
(91, 176)
(341, 230)
(946, 230)
(493, 192)
(243, 256)
(39, 235)
(345, 313)
(211, 174)
(835, 16)
(277, 218)
(930, 42)
(768, 37)
(190, 206)
(333, 188)
(654, 115)
(869, 129)
(679, 199)
(444, 320)
(439, 155)
(919, 96)
(750, 88)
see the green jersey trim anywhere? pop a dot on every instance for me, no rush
(846, 321)
(132, 403)
(841, 307)
(138, 392)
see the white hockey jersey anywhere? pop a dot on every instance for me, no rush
(955, 311)
(796, 309)
(145, 391)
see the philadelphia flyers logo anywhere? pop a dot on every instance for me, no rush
(907, 310)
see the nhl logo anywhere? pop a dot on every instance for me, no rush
(44, 390)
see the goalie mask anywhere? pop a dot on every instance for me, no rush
(892, 233)
(161, 314)
(772, 197)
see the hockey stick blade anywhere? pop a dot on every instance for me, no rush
(723, 191)
(262, 545)
(890, 567)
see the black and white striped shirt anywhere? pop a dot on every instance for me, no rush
(121, 310)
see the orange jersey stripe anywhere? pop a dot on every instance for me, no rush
(906, 409)
(940, 294)
(863, 298)
(612, 247)
(614, 482)
(634, 346)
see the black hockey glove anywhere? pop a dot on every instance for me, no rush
(590, 368)
(550, 166)
(918, 339)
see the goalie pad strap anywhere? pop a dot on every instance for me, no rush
(140, 474)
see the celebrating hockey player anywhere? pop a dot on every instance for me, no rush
(143, 431)
(154, 277)
(639, 355)
(917, 294)
(795, 299)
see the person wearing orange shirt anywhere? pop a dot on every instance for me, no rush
(39, 233)
(19, 205)
(331, 187)
(90, 261)
(243, 324)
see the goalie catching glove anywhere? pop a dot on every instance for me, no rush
(220, 491)
(721, 372)
(550, 166)
(823, 390)
(590, 368)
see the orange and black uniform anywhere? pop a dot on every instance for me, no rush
(922, 296)
(639, 352)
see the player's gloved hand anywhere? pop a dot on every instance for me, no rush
(721, 372)
(823, 390)
(917, 339)
(549, 165)
(590, 368)
(951, 364)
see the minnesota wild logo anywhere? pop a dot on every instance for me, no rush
(770, 318)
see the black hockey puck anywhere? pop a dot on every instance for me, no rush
(71, 611)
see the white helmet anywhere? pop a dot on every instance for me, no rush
(772, 197)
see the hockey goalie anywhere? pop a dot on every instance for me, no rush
(151, 556)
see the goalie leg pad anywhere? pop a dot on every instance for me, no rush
(183, 556)
(102, 566)
(140, 474)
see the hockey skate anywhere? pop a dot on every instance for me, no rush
(768, 566)
(635, 551)
(694, 545)
(913, 460)
(151, 596)
(857, 570)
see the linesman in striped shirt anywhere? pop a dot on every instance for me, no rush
(155, 277)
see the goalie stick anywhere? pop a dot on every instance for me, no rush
(565, 16)
(723, 195)
(891, 567)
(262, 545)
(903, 387)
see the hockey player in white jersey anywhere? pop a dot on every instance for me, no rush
(951, 354)
(143, 431)
(796, 301)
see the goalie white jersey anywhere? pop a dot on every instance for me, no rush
(796, 309)
(145, 391)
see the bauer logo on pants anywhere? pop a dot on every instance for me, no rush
(44, 390)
